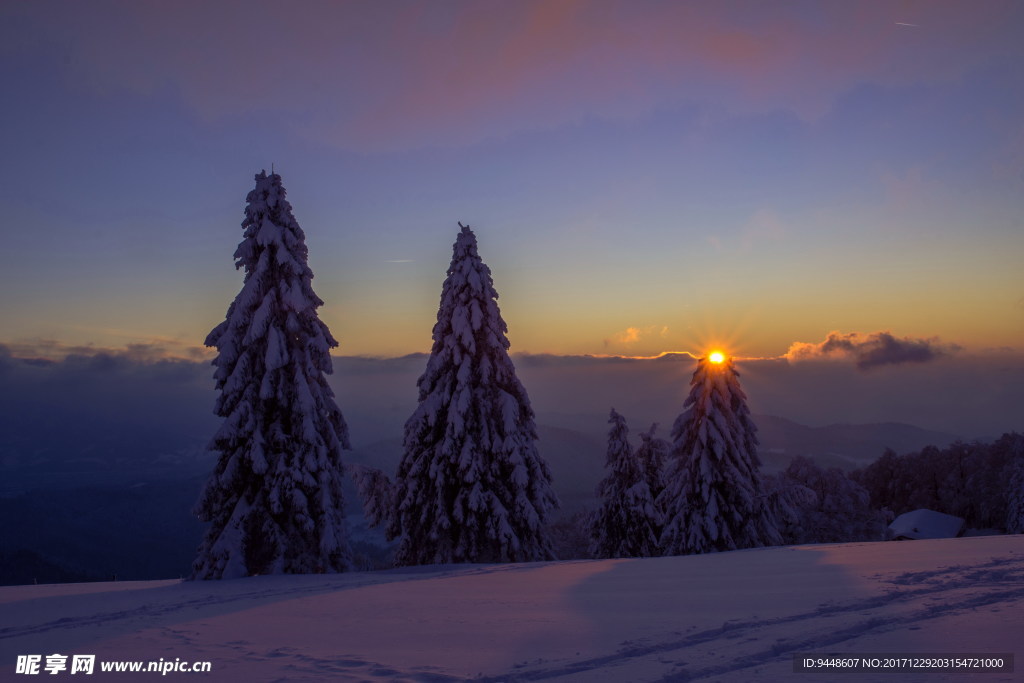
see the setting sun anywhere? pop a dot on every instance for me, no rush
(716, 357)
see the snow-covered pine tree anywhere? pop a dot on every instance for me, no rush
(376, 491)
(713, 499)
(274, 499)
(1015, 500)
(1012, 445)
(815, 505)
(789, 501)
(471, 486)
(626, 523)
(653, 453)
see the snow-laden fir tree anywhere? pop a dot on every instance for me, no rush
(274, 500)
(1015, 500)
(653, 453)
(713, 499)
(1013, 446)
(471, 486)
(626, 523)
(815, 505)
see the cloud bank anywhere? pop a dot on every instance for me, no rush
(871, 350)
(50, 350)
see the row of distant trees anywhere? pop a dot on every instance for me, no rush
(803, 504)
(983, 483)
(700, 492)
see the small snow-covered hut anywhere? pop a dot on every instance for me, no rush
(924, 523)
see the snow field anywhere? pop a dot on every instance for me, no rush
(736, 616)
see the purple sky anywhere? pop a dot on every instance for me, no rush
(643, 177)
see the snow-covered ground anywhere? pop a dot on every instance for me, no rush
(735, 616)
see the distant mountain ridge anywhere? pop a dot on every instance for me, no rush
(847, 446)
(100, 453)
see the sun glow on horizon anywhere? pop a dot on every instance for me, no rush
(716, 357)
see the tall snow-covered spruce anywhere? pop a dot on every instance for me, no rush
(1012, 445)
(713, 499)
(471, 486)
(626, 524)
(274, 499)
(652, 455)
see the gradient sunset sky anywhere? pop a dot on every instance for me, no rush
(642, 176)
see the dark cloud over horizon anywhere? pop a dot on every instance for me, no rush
(872, 350)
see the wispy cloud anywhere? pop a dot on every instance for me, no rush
(871, 350)
(634, 335)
